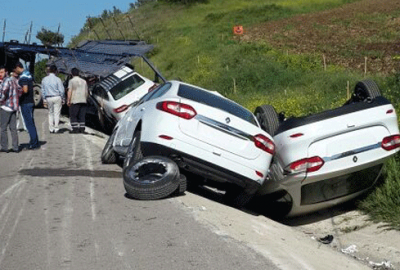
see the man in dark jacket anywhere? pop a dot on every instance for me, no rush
(27, 104)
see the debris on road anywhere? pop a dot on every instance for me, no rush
(350, 249)
(326, 240)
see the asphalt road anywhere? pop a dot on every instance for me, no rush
(60, 208)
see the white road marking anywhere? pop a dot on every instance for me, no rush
(73, 149)
(11, 188)
(92, 194)
(10, 211)
(66, 229)
(46, 220)
(12, 233)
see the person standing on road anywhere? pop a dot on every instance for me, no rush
(53, 97)
(3, 74)
(10, 92)
(27, 104)
(76, 100)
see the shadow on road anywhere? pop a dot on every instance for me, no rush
(267, 206)
(60, 172)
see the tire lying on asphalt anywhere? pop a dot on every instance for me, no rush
(152, 178)
(182, 185)
(108, 155)
(367, 89)
(268, 118)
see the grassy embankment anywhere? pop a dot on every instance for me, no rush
(196, 44)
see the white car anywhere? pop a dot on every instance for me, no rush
(202, 131)
(117, 92)
(333, 156)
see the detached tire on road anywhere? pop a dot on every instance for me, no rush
(108, 155)
(268, 118)
(151, 178)
(182, 185)
(367, 89)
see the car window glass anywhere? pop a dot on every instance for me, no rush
(95, 90)
(103, 93)
(215, 101)
(160, 91)
(151, 94)
(126, 86)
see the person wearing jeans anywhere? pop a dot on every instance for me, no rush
(53, 96)
(27, 104)
(10, 91)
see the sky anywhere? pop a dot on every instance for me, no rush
(70, 15)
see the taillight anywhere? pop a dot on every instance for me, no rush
(179, 109)
(264, 143)
(311, 164)
(391, 142)
(121, 109)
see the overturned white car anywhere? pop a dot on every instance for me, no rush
(201, 131)
(333, 156)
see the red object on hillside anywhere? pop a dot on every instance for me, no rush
(238, 30)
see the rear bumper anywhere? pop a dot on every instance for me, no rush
(201, 167)
(311, 195)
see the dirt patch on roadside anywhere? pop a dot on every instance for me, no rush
(354, 235)
(345, 35)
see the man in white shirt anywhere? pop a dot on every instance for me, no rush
(77, 98)
(53, 94)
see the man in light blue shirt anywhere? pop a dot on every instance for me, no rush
(53, 95)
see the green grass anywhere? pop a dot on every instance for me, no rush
(382, 205)
(196, 44)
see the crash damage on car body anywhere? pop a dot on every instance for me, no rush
(328, 158)
(201, 131)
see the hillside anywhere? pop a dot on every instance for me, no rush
(280, 58)
(345, 35)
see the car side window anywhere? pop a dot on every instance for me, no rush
(160, 91)
(95, 90)
(103, 93)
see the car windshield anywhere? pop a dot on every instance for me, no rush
(215, 101)
(126, 86)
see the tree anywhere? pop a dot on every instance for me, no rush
(40, 70)
(49, 38)
(186, 2)
(116, 11)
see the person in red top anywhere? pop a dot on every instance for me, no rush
(10, 91)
